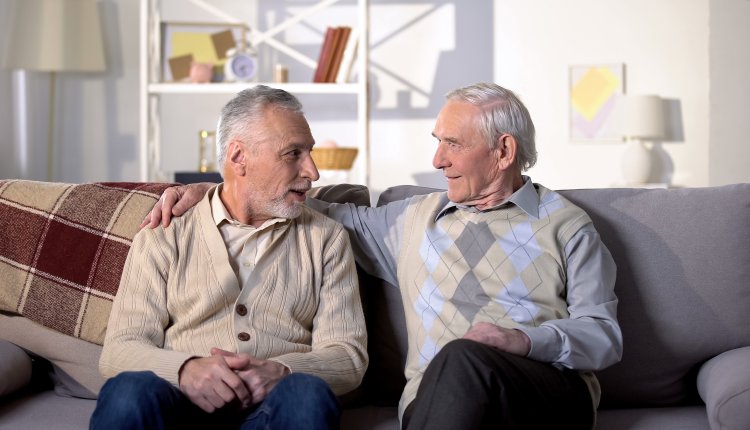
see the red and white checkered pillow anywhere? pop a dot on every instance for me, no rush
(63, 247)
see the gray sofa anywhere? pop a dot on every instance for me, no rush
(683, 258)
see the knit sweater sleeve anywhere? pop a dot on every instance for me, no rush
(136, 330)
(339, 339)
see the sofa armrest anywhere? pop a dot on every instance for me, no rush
(724, 384)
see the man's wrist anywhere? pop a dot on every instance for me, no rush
(285, 370)
(182, 367)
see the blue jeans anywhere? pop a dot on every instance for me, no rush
(142, 400)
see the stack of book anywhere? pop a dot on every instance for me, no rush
(336, 55)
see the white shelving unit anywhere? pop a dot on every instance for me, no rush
(152, 89)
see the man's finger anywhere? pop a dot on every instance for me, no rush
(224, 394)
(204, 404)
(153, 217)
(146, 220)
(166, 202)
(239, 390)
(222, 352)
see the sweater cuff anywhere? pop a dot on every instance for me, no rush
(296, 363)
(283, 364)
(169, 364)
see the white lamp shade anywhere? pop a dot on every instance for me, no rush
(641, 117)
(55, 36)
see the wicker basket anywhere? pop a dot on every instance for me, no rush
(334, 158)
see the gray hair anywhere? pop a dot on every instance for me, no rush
(502, 112)
(239, 115)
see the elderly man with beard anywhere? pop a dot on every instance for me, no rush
(245, 312)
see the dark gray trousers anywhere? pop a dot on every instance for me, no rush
(469, 385)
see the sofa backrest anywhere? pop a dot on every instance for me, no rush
(683, 283)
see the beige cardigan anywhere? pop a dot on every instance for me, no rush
(179, 297)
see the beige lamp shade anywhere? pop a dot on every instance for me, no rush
(55, 36)
(642, 117)
(639, 118)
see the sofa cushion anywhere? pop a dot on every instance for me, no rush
(15, 368)
(724, 384)
(63, 247)
(682, 282)
(45, 410)
(75, 362)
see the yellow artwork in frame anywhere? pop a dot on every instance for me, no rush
(594, 91)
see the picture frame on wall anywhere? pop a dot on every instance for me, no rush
(185, 45)
(593, 94)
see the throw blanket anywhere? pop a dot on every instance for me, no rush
(63, 247)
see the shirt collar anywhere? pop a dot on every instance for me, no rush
(221, 214)
(525, 198)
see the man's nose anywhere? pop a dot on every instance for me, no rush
(438, 160)
(309, 169)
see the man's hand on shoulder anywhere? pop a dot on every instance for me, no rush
(260, 376)
(508, 340)
(175, 201)
(212, 384)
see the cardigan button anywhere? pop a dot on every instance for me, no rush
(242, 310)
(243, 336)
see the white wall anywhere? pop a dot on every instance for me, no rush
(419, 53)
(729, 151)
(694, 52)
(664, 46)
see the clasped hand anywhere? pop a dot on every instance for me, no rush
(508, 340)
(226, 378)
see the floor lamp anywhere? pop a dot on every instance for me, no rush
(54, 36)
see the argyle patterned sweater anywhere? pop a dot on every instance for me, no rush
(502, 267)
(456, 266)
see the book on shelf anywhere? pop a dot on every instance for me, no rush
(347, 61)
(342, 35)
(331, 54)
(326, 50)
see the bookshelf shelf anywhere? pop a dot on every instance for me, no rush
(153, 90)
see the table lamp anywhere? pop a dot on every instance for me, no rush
(641, 118)
(54, 36)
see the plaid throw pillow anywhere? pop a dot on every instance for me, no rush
(63, 247)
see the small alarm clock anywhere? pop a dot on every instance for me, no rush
(240, 65)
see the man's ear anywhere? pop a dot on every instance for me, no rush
(506, 148)
(237, 157)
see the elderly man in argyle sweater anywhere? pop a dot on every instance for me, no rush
(507, 287)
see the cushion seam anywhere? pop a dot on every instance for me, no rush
(727, 400)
